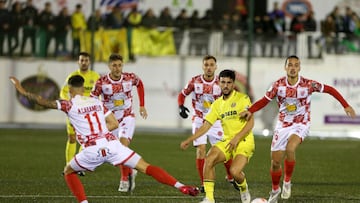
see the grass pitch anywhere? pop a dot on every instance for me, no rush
(32, 161)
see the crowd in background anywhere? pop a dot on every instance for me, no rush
(272, 34)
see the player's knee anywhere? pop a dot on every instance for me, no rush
(200, 152)
(72, 138)
(68, 169)
(275, 164)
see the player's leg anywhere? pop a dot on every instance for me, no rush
(214, 156)
(200, 144)
(125, 133)
(275, 173)
(244, 151)
(74, 184)
(131, 159)
(70, 149)
(289, 164)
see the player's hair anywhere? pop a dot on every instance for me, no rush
(227, 74)
(291, 57)
(115, 57)
(76, 81)
(83, 53)
(207, 57)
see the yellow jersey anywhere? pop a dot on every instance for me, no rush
(90, 78)
(227, 111)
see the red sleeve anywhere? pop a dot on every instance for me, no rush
(259, 105)
(181, 99)
(141, 93)
(332, 91)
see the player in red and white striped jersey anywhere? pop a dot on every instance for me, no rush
(115, 90)
(293, 95)
(92, 122)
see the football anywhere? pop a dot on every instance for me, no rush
(259, 200)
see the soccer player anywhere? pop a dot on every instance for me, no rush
(237, 142)
(90, 78)
(115, 89)
(92, 122)
(204, 90)
(293, 95)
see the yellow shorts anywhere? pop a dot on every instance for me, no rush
(69, 128)
(245, 147)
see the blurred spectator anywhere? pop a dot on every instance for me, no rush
(258, 35)
(207, 21)
(194, 20)
(296, 27)
(165, 18)
(238, 25)
(114, 19)
(277, 12)
(95, 21)
(269, 33)
(339, 28)
(149, 20)
(78, 24)
(30, 14)
(47, 29)
(328, 29)
(63, 25)
(4, 25)
(182, 20)
(133, 20)
(278, 42)
(16, 22)
(310, 26)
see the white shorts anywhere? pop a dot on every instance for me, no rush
(281, 135)
(126, 128)
(112, 152)
(214, 134)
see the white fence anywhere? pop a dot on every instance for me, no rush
(164, 77)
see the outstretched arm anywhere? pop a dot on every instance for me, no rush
(202, 130)
(33, 97)
(141, 94)
(332, 91)
(255, 107)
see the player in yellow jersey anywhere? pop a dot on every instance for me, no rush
(238, 140)
(90, 78)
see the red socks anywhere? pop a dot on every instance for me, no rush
(125, 172)
(75, 186)
(275, 177)
(200, 169)
(288, 169)
(160, 175)
(227, 167)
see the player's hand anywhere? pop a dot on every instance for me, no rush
(246, 114)
(143, 112)
(350, 112)
(184, 144)
(183, 111)
(17, 85)
(231, 146)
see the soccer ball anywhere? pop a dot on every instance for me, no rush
(259, 200)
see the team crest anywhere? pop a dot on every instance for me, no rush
(233, 105)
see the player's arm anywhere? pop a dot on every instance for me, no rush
(336, 94)
(199, 132)
(141, 94)
(33, 97)
(261, 103)
(241, 135)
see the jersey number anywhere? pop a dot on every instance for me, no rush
(91, 123)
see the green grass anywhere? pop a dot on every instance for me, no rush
(32, 162)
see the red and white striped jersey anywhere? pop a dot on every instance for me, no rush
(117, 95)
(204, 93)
(87, 116)
(293, 101)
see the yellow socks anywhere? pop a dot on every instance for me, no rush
(242, 186)
(70, 151)
(209, 189)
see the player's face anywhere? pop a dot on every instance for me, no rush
(226, 85)
(84, 63)
(116, 69)
(209, 67)
(292, 67)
